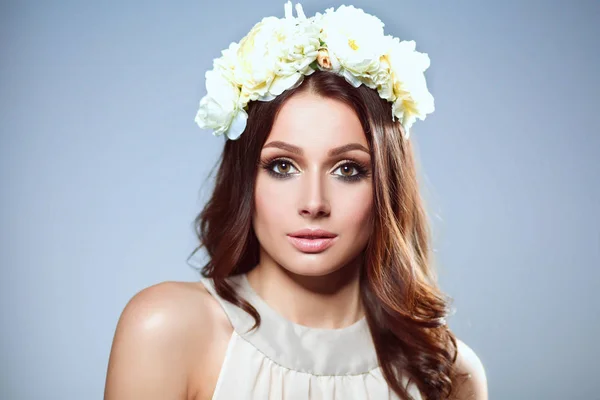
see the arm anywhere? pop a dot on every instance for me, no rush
(148, 358)
(473, 387)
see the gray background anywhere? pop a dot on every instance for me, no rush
(102, 167)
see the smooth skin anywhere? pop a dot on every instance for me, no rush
(171, 338)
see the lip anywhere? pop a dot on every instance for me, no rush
(313, 233)
(312, 240)
(316, 245)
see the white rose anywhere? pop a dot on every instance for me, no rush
(257, 55)
(227, 63)
(382, 80)
(356, 39)
(220, 109)
(300, 45)
(411, 97)
(276, 55)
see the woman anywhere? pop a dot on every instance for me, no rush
(319, 283)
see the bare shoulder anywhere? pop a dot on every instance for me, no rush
(162, 335)
(474, 385)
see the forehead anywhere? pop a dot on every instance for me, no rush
(316, 123)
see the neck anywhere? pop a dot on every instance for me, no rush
(331, 301)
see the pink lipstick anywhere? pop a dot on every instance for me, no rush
(312, 240)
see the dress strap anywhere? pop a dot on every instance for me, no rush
(239, 319)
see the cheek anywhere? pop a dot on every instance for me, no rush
(357, 209)
(272, 203)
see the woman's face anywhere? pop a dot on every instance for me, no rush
(302, 182)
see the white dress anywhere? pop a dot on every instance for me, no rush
(284, 360)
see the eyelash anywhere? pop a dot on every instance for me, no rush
(270, 163)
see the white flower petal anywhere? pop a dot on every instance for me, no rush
(350, 78)
(266, 97)
(288, 10)
(237, 125)
(300, 11)
(283, 83)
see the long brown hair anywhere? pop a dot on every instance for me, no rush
(405, 309)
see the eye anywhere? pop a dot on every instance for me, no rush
(283, 165)
(347, 169)
(278, 168)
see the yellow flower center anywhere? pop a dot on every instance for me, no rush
(352, 44)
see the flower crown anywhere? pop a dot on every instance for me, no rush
(278, 52)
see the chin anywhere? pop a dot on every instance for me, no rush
(313, 264)
(308, 269)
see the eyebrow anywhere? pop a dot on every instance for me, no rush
(331, 153)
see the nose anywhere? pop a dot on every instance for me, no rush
(314, 202)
